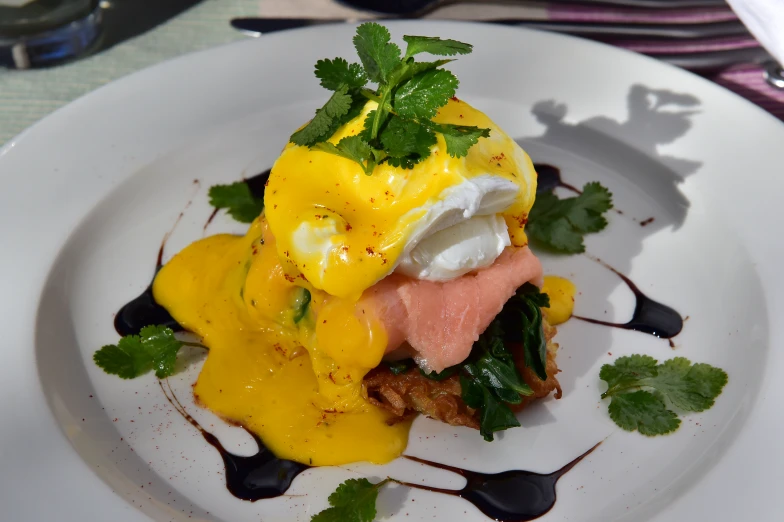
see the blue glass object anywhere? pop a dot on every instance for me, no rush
(48, 32)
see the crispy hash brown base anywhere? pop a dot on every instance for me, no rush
(410, 393)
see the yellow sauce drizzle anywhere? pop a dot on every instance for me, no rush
(345, 230)
(561, 292)
(234, 294)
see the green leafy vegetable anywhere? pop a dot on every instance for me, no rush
(421, 96)
(521, 319)
(440, 376)
(378, 54)
(334, 74)
(489, 379)
(408, 69)
(437, 46)
(353, 501)
(238, 200)
(406, 142)
(642, 391)
(155, 348)
(561, 223)
(643, 411)
(350, 147)
(301, 303)
(494, 415)
(318, 129)
(459, 138)
(398, 367)
(409, 94)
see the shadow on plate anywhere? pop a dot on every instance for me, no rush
(628, 149)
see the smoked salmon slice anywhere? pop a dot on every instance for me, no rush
(438, 322)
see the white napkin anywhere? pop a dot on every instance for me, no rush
(765, 20)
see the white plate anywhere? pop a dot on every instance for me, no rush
(87, 195)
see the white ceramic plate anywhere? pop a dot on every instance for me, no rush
(87, 195)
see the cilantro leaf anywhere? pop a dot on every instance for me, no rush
(155, 348)
(643, 411)
(627, 370)
(422, 95)
(126, 359)
(238, 200)
(437, 46)
(561, 223)
(354, 148)
(318, 129)
(460, 138)
(336, 73)
(585, 214)
(409, 68)
(641, 391)
(413, 90)
(353, 501)
(379, 56)
(688, 387)
(406, 142)
(409, 94)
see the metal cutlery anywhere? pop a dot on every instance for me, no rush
(420, 8)
(702, 62)
(596, 30)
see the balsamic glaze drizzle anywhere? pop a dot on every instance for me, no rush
(511, 496)
(258, 183)
(649, 316)
(143, 310)
(252, 478)
(549, 178)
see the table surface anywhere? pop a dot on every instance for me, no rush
(27, 96)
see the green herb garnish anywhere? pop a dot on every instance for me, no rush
(301, 304)
(489, 378)
(155, 348)
(642, 391)
(238, 200)
(409, 93)
(353, 501)
(560, 224)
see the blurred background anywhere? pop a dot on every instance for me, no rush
(53, 51)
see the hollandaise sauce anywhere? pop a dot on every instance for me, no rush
(345, 230)
(292, 379)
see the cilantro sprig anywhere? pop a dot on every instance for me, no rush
(489, 378)
(409, 93)
(641, 391)
(155, 348)
(560, 224)
(353, 501)
(238, 200)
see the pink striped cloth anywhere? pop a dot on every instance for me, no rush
(746, 79)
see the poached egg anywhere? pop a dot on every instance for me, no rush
(345, 231)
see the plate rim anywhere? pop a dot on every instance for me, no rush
(108, 90)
